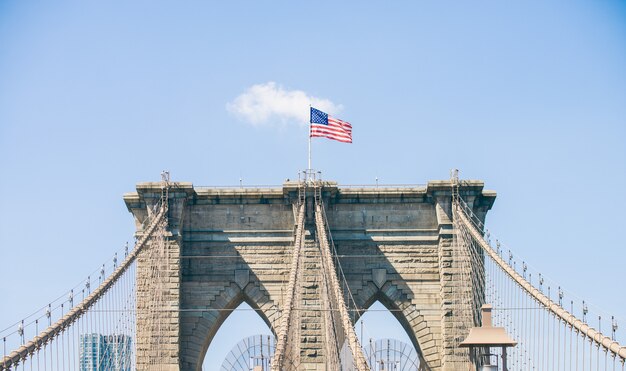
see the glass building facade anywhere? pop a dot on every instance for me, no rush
(105, 352)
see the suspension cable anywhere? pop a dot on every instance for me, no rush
(593, 335)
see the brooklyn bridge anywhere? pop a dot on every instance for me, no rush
(310, 257)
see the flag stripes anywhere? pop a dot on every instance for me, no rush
(323, 125)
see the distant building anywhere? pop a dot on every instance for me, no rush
(105, 352)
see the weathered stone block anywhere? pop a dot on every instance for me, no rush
(404, 232)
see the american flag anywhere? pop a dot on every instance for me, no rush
(329, 127)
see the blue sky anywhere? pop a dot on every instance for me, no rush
(96, 96)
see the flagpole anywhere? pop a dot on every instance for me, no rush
(309, 167)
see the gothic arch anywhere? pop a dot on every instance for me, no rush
(408, 315)
(198, 328)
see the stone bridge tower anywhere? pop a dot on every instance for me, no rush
(228, 246)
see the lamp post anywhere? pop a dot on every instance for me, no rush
(488, 336)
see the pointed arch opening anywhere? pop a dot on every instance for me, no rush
(231, 310)
(387, 339)
(241, 323)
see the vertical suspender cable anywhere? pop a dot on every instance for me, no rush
(571, 355)
(62, 338)
(577, 341)
(590, 354)
(57, 352)
(558, 344)
(72, 353)
(534, 332)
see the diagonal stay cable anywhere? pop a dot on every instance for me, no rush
(592, 334)
(75, 313)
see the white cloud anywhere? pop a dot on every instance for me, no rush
(271, 104)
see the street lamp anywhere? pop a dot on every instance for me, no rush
(486, 337)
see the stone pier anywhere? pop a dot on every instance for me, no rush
(228, 246)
